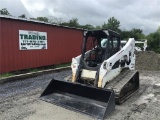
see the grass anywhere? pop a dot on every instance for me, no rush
(6, 75)
(33, 70)
(62, 65)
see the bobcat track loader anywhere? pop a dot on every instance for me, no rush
(102, 76)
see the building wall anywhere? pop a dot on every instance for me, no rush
(63, 44)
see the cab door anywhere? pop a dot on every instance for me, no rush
(113, 48)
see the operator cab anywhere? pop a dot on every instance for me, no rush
(98, 46)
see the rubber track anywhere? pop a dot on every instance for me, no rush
(119, 82)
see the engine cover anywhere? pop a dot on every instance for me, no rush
(88, 74)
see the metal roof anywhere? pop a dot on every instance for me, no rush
(36, 21)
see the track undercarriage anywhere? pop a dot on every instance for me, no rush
(124, 85)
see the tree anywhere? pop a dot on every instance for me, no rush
(112, 24)
(4, 11)
(98, 27)
(154, 41)
(158, 30)
(64, 24)
(33, 18)
(22, 16)
(104, 26)
(87, 27)
(125, 34)
(71, 23)
(44, 19)
(54, 20)
(133, 33)
(137, 33)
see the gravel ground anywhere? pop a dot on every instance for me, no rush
(148, 60)
(19, 100)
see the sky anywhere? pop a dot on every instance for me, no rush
(140, 14)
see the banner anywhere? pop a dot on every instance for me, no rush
(32, 40)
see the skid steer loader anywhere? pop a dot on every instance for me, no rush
(102, 76)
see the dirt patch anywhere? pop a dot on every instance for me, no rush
(148, 60)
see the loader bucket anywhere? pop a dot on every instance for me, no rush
(89, 100)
